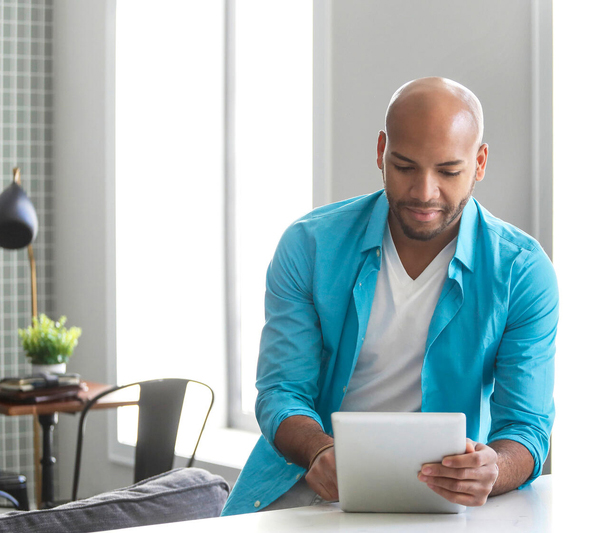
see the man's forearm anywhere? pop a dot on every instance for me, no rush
(515, 465)
(299, 438)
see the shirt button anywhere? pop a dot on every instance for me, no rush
(344, 389)
(257, 504)
(378, 252)
(298, 476)
(289, 464)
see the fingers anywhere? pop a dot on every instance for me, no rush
(469, 500)
(469, 487)
(450, 477)
(480, 456)
(470, 446)
(322, 476)
(466, 479)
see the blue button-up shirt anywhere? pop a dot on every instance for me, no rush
(489, 351)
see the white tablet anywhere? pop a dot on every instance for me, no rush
(378, 457)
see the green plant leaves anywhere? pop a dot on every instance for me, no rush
(47, 342)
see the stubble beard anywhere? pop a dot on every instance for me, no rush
(450, 213)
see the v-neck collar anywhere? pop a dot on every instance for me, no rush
(397, 268)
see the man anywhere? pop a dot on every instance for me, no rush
(416, 299)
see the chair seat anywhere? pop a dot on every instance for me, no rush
(9, 480)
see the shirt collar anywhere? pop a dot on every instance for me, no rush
(467, 235)
(373, 238)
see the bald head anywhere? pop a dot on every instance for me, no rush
(438, 102)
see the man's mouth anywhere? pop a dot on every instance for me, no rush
(423, 215)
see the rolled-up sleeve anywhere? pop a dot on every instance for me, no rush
(291, 343)
(522, 406)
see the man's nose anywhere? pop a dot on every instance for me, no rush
(425, 187)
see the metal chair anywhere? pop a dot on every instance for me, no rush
(8, 497)
(160, 404)
(15, 486)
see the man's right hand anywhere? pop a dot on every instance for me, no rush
(299, 438)
(322, 475)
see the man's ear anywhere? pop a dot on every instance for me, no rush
(481, 162)
(381, 148)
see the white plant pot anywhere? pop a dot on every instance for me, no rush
(59, 368)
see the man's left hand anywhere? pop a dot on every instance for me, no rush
(465, 479)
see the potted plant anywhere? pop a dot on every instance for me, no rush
(49, 344)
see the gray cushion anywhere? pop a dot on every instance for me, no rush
(181, 494)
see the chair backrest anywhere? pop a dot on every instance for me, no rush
(159, 411)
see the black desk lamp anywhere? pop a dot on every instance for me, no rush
(19, 226)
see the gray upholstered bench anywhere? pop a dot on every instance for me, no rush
(181, 494)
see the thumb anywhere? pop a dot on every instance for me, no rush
(470, 446)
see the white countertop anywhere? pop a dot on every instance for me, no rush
(518, 511)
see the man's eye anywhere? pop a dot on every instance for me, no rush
(449, 173)
(404, 169)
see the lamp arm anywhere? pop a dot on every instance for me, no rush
(33, 280)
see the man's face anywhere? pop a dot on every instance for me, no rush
(429, 173)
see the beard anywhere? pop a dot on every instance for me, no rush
(422, 232)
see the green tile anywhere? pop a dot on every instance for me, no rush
(37, 14)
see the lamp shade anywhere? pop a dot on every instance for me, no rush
(18, 220)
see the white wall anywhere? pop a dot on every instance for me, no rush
(375, 45)
(491, 47)
(84, 166)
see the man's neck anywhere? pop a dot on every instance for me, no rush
(416, 255)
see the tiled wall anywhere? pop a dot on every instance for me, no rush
(26, 40)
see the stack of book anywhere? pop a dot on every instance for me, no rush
(40, 388)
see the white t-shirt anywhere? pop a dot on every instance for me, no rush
(387, 376)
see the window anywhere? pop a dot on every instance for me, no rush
(169, 194)
(272, 141)
(194, 234)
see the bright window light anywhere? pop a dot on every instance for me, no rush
(583, 188)
(170, 195)
(273, 149)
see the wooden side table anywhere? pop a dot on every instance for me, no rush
(47, 414)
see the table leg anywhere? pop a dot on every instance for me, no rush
(37, 466)
(47, 422)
